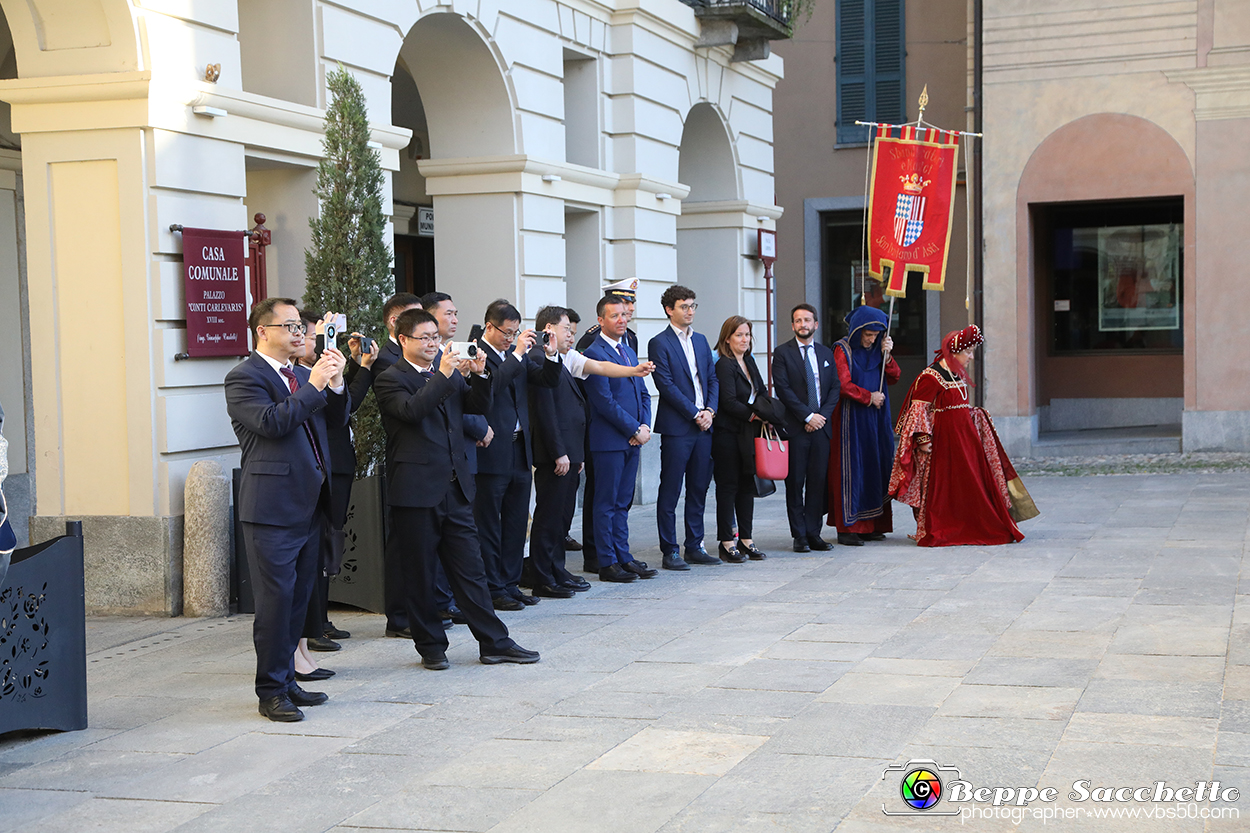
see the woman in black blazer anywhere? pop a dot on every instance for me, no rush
(733, 439)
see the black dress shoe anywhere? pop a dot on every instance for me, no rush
(314, 675)
(873, 536)
(515, 654)
(554, 591)
(613, 572)
(571, 544)
(280, 709)
(435, 662)
(300, 697)
(575, 583)
(801, 545)
(673, 561)
(401, 633)
(849, 539)
(455, 615)
(700, 556)
(323, 644)
(819, 544)
(732, 556)
(447, 623)
(332, 632)
(506, 603)
(640, 569)
(751, 551)
(528, 601)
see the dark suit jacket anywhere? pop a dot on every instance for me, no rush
(617, 406)
(280, 484)
(591, 335)
(474, 429)
(676, 412)
(387, 356)
(511, 380)
(734, 414)
(342, 449)
(559, 418)
(790, 384)
(423, 419)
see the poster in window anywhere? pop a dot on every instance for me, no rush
(1139, 277)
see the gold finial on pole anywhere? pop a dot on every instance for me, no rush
(924, 102)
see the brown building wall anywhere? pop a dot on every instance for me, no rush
(808, 163)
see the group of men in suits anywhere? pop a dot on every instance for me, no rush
(467, 438)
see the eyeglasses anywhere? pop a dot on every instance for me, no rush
(691, 307)
(508, 334)
(291, 327)
(425, 339)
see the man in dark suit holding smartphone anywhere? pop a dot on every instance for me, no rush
(281, 413)
(430, 491)
(806, 381)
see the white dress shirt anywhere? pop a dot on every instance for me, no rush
(686, 339)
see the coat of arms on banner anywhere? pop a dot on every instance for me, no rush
(909, 210)
(910, 206)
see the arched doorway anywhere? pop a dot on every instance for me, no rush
(710, 229)
(449, 88)
(1105, 208)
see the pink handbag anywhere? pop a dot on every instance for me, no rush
(772, 455)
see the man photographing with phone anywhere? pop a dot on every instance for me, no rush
(281, 413)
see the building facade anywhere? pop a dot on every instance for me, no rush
(864, 60)
(560, 145)
(1111, 170)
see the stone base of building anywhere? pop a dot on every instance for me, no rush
(1215, 431)
(1017, 434)
(133, 565)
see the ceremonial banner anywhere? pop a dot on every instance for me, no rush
(216, 292)
(910, 206)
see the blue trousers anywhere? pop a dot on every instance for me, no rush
(615, 472)
(688, 459)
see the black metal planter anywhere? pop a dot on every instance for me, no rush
(43, 637)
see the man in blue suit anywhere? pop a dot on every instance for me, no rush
(806, 380)
(620, 417)
(281, 413)
(688, 397)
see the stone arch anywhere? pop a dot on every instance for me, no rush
(706, 159)
(709, 231)
(471, 110)
(1100, 157)
(73, 37)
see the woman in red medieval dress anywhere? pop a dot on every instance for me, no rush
(949, 465)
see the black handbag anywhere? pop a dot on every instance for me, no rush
(764, 488)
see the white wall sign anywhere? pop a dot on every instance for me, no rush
(425, 221)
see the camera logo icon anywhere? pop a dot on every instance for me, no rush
(920, 787)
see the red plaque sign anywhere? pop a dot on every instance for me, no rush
(216, 291)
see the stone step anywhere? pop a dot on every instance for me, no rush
(1093, 442)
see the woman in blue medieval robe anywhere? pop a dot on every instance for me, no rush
(862, 452)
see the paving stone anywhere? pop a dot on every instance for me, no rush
(690, 753)
(1035, 671)
(434, 807)
(123, 814)
(889, 689)
(783, 675)
(849, 730)
(991, 732)
(1162, 668)
(1011, 701)
(1054, 644)
(1170, 639)
(1143, 729)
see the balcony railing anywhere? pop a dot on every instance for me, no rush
(747, 25)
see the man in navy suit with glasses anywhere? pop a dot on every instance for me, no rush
(281, 412)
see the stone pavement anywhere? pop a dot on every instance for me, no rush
(1109, 646)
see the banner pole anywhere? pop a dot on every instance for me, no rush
(889, 319)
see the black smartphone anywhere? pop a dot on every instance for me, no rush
(366, 344)
(475, 332)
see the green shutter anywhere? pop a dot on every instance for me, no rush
(870, 61)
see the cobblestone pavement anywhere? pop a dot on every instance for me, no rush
(1109, 647)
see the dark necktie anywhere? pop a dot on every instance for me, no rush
(813, 387)
(620, 348)
(293, 384)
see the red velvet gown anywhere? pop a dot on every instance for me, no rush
(876, 515)
(960, 488)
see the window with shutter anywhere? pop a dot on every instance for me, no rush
(870, 63)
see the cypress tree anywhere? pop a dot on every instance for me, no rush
(348, 267)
